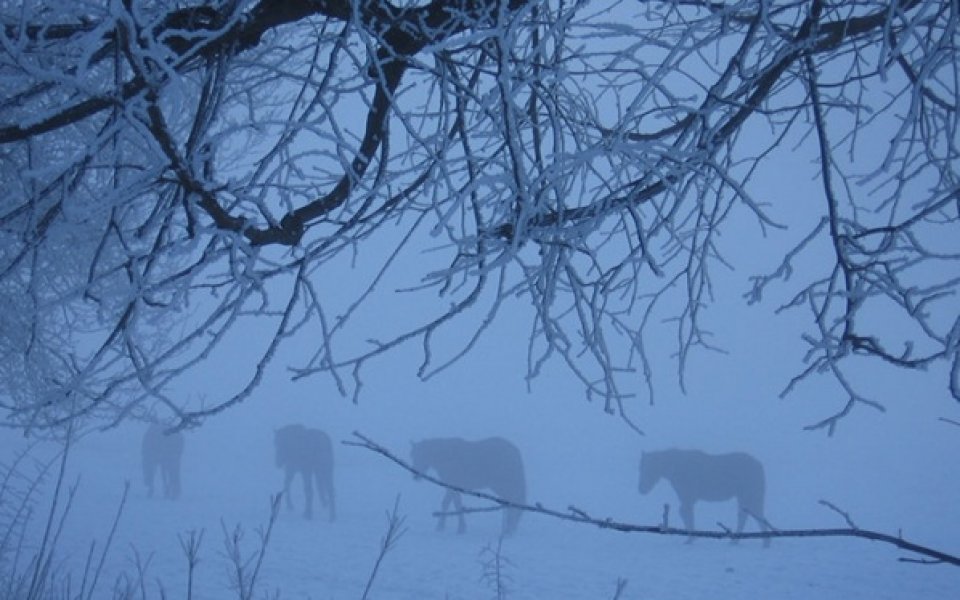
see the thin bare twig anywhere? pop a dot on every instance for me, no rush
(621, 586)
(577, 516)
(842, 513)
(395, 530)
(191, 549)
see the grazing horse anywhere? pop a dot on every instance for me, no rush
(162, 449)
(697, 475)
(492, 463)
(310, 453)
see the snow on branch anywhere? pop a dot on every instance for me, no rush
(577, 515)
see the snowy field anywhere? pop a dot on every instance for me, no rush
(892, 471)
(228, 479)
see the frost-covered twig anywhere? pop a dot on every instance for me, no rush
(395, 530)
(495, 569)
(621, 585)
(109, 541)
(466, 510)
(842, 513)
(191, 550)
(589, 181)
(141, 567)
(614, 525)
(246, 570)
(44, 556)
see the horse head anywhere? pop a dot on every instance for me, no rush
(648, 474)
(281, 446)
(418, 458)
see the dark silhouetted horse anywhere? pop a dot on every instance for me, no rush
(696, 475)
(162, 450)
(310, 453)
(493, 463)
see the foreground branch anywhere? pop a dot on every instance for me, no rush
(578, 516)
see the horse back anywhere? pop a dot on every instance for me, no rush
(492, 463)
(161, 447)
(301, 448)
(697, 475)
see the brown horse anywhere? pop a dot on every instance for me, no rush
(492, 463)
(162, 450)
(309, 453)
(696, 475)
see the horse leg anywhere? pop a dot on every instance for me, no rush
(165, 478)
(686, 515)
(442, 520)
(149, 467)
(461, 520)
(741, 519)
(308, 492)
(754, 510)
(175, 478)
(325, 492)
(508, 523)
(764, 526)
(288, 479)
(510, 518)
(331, 497)
(333, 503)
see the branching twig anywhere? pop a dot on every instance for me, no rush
(611, 524)
(495, 566)
(106, 545)
(395, 530)
(842, 513)
(621, 585)
(245, 578)
(191, 549)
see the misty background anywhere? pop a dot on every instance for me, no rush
(891, 471)
(890, 463)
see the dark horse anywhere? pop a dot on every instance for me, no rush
(163, 450)
(310, 453)
(492, 463)
(696, 475)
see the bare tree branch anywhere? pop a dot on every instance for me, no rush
(177, 172)
(578, 516)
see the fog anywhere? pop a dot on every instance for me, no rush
(888, 465)
(890, 471)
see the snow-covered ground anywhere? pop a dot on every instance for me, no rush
(892, 472)
(228, 480)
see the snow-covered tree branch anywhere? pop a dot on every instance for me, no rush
(174, 172)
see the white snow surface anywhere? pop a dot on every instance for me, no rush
(893, 472)
(229, 476)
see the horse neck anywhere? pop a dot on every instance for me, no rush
(662, 468)
(437, 457)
